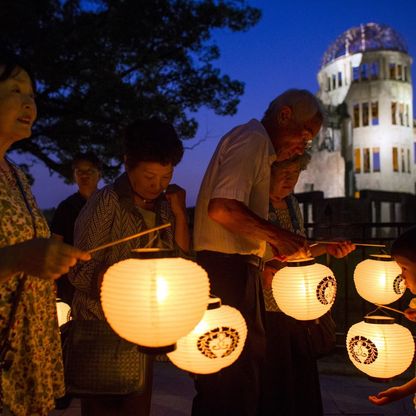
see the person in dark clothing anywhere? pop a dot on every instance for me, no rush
(86, 169)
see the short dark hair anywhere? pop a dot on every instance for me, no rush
(89, 157)
(405, 245)
(151, 141)
(12, 63)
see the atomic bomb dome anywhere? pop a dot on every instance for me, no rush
(368, 144)
(364, 38)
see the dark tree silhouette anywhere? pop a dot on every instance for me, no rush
(102, 63)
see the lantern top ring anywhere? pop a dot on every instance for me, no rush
(300, 262)
(381, 257)
(214, 302)
(379, 319)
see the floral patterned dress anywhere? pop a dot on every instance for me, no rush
(35, 378)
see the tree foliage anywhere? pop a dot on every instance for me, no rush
(102, 63)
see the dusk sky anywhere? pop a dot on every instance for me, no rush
(282, 51)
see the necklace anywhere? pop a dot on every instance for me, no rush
(147, 202)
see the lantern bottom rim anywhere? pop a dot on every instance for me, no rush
(156, 350)
(380, 379)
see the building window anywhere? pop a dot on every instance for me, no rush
(374, 70)
(357, 160)
(328, 84)
(365, 114)
(374, 113)
(407, 115)
(376, 159)
(395, 159)
(356, 115)
(414, 152)
(392, 71)
(339, 79)
(364, 72)
(399, 72)
(408, 160)
(406, 78)
(403, 160)
(355, 73)
(401, 114)
(366, 160)
(393, 112)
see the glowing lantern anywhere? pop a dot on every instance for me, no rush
(154, 302)
(304, 289)
(379, 280)
(63, 311)
(216, 342)
(379, 347)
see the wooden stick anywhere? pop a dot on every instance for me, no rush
(357, 244)
(388, 307)
(122, 240)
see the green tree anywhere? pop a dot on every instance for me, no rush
(102, 63)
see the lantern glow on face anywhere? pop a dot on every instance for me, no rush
(216, 342)
(304, 289)
(378, 280)
(379, 347)
(153, 302)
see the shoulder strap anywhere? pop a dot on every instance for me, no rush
(292, 213)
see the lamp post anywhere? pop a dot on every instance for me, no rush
(304, 289)
(216, 342)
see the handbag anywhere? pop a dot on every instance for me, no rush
(321, 335)
(99, 362)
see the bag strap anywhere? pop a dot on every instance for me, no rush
(292, 213)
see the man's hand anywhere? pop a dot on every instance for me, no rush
(340, 249)
(289, 246)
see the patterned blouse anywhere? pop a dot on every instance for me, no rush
(35, 378)
(109, 215)
(282, 218)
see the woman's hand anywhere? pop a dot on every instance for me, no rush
(388, 396)
(177, 199)
(41, 257)
(341, 249)
(410, 314)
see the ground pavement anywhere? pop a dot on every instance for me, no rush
(344, 391)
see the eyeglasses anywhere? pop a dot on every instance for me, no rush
(89, 171)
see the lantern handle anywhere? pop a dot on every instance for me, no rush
(316, 242)
(122, 240)
(388, 307)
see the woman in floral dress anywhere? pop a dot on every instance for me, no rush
(31, 375)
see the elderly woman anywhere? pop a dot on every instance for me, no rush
(32, 373)
(291, 384)
(141, 198)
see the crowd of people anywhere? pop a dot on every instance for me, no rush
(247, 224)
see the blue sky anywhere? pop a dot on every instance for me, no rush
(282, 51)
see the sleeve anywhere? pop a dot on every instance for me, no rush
(241, 166)
(93, 229)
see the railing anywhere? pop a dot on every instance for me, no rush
(349, 307)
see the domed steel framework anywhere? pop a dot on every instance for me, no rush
(368, 37)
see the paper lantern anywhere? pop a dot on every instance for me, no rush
(154, 302)
(63, 311)
(379, 280)
(216, 342)
(379, 347)
(304, 289)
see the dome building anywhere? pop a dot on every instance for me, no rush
(368, 144)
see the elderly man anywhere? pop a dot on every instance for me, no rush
(231, 231)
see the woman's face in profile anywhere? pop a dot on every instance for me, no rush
(150, 179)
(283, 180)
(17, 106)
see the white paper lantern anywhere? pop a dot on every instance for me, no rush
(379, 280)
(304, 289)
(63, 311)
(379, 347)
(154, 302)
(216, 342)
